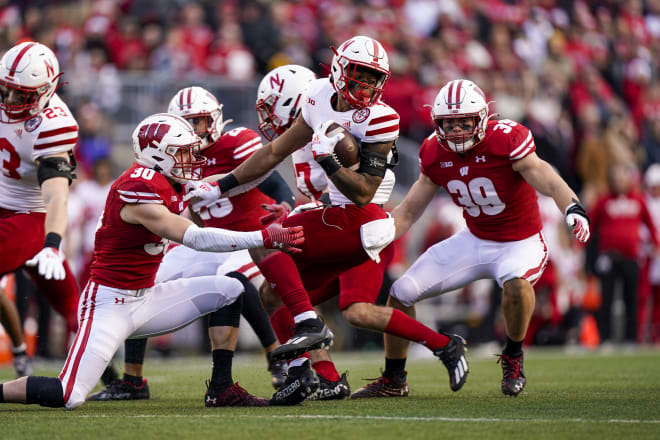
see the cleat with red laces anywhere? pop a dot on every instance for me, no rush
(513, 375)
(235, 395)
(384, 387)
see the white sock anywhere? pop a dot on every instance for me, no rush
(21, 348)
(305, 315)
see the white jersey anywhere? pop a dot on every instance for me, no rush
(374, 124)
(54, 130)
(310, 177)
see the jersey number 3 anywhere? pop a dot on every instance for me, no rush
(479, 195)
(9, 159)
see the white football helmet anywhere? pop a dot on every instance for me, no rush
(197, 102)
(362, 53)
(279, 98)
(460, 99)
(168, 144)
(29, 73)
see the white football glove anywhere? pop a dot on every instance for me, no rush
(201, 193)
(323, 145)
(49, 263)
(578, 221)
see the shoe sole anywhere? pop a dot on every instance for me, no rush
(294, 352)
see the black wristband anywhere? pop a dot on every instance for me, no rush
(578, 209)
(228, 182)
(329, 165)
(53, 239)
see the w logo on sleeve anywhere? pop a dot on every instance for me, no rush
(151, 135)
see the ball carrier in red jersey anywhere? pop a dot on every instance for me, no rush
(121, 299)
(491, 170)
(224, 152)
(37, 137)
(334, 248)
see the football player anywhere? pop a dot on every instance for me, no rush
(37, 136)
(224, 151)
(490, 169)
(335, 250)
(121, 299)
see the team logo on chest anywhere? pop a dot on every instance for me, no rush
(33, 123)
(361, 115)
(463, 171)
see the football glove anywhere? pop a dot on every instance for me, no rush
(578, 221)
(201, 194)
(284, 239)
(322, 145)
(276, 213)
(49, 263)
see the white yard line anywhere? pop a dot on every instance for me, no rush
(383, 418)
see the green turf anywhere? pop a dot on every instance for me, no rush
(579, 396)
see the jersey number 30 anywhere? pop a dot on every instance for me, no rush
(479, 195)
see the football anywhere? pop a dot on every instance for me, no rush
(347, 150)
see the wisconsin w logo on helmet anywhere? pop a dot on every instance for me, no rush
(152, 135)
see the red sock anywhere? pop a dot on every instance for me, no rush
(404, 326)
(282, 323)
(327, 370)
(282, 274)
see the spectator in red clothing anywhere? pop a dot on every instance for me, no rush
(616, 220)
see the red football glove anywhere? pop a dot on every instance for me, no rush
(284, 239)
(277, 213)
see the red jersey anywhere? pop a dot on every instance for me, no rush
(498, 204)
(127, 255)
(242, 211)
(617, 220)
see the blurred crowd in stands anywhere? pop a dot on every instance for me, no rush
(582, 75)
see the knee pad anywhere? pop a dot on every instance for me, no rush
(45, 391)
(229, 316)
(406, 290)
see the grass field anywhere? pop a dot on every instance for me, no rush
(568, 396)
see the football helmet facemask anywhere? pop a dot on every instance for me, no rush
(29, 73)
(460, 99)
(196, 102)
(357, 54)
(168, 144)
(279, 98)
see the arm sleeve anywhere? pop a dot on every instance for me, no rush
(220, 240)
(276, 188)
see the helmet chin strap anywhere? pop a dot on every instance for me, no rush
(462, 147)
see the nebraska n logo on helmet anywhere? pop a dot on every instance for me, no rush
(279, 96)
(168, 144)
(29, 74)
(359, 53)
(460, 98)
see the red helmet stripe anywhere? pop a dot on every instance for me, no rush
(449, 93)
(458, 94)
(181, 99)
(189, 97)
(14, 65)
(375, 50)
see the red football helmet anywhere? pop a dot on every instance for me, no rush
(168, 144)
(355, 54)
(279, 97)
(29, 73)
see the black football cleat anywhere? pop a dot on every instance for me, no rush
(121, 390)
(310, 334)
(384, 387)
(513, 375)
(453, 356)
(301, 382)
(332, 390)
(278, 372)
(235, 395)
(23, 364)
